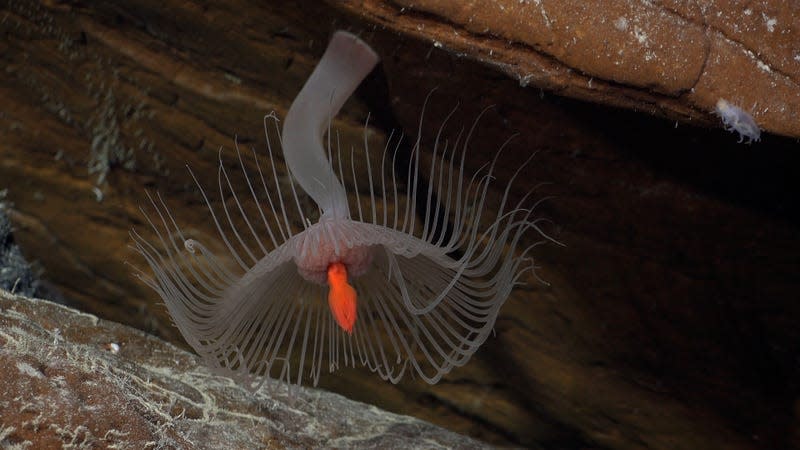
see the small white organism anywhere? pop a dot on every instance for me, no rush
(737, 120)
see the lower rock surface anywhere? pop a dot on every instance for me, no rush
(71, 380)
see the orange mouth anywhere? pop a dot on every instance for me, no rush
(341, 297)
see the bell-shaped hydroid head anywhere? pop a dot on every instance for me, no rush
(382, 289)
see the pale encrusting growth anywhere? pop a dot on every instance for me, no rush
(368, 285)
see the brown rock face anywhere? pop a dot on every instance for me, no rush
(673, 59)
(71, 379)
(669, 319)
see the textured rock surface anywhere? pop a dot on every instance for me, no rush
(671, 317)
(669, 58)
(71, 380)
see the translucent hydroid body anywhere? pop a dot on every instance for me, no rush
(370, 285)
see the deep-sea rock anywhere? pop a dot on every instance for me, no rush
(71, 380)
(672, 59)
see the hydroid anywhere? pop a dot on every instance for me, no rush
(368, 285)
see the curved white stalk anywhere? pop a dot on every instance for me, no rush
(344, 65)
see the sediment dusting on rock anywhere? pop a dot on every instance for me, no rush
(73, 380)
